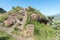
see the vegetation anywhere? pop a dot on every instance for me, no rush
(51, 19)
(5, 36)
(16, 31)
(15, 9)
(33, 10)
(4, 17)
(41, 31)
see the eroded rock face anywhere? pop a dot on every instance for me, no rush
(13, 16)
(30, 30)
(8, 22)
(11, 20)
(39, 19)
(35, 16)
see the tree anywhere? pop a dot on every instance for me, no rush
(31, 9)
(13, 7)
(51, 19)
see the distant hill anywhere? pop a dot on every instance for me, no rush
(57, 16)
(2, 10)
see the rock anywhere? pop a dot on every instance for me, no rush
(39, 18)
(35, 16)
(13, 16)
(8, 22)
(22, 13)
(30, 30)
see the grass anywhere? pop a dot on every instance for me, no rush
(16, 31)
(5, 15)
(5, 36)
(41, 31)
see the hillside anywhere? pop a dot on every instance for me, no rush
(26, 24)
(2, 10)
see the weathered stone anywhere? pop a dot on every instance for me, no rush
(13, 17)
(22, 13)
(30, 30)
(34, 16)
(39, 18)
(8, 22)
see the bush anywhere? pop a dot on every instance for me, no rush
(5, 36)
(16, 31)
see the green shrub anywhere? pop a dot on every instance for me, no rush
(16, 31)
(5, 36)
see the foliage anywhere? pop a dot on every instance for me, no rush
(41, 31)
(19, 17)
(2, 18)
(16, 31)
(5, 16)
(51, 18)
(33, 10)
(5, 36)
(15, 9)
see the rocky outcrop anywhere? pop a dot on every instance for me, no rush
(30, 30)
(35, 16)
(39, 18)
(9, 22)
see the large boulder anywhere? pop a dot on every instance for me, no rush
(39, 18)
(35, 16)
(8, 22)
(13, 16)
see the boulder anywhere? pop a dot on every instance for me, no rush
(35, 16)
(8, 22)
(39, 18)
(13, 16)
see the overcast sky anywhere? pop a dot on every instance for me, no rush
(47, 7)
